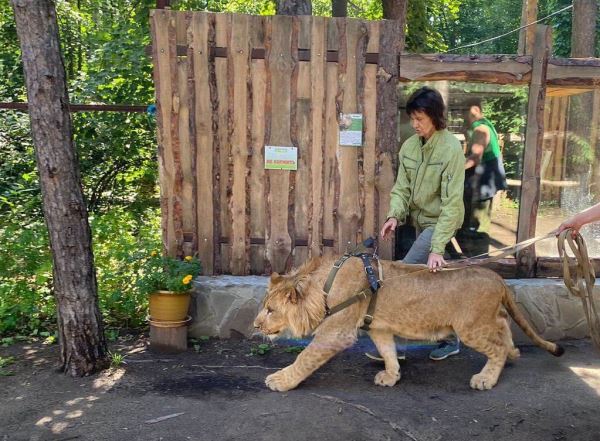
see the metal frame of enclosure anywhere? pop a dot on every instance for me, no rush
(229, 84)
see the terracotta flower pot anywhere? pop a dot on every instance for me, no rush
(169, 306)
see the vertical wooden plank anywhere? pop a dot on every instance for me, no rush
(532, 157)
(302, 138)
(318, 78)
(238, 66)
(280, 66)
(181, 28)
(257, 160)
(224, 174)
(369, 104)
(167, 99)
(330, 177)
(202, 94)
(391, 42)
(187, 185)
(351, 50)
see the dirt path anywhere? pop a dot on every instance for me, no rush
(219, 394)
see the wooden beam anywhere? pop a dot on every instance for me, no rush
(552, 267)
(498, 69)
(84, 107)
(577, 72)
(532, 159)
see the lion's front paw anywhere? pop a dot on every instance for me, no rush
(482, 382)
(384, 378)
(278, 382)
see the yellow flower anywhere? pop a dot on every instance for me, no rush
(187, 279)
(153, 253)
(188, 258)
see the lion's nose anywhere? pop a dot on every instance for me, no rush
(256, 325)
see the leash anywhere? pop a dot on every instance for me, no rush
(582, 283)
(480, 259)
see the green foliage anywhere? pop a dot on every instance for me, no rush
(165, 273)
(116, 359)
(261, 349)
(294, 349)
(27, 304)
(561, 25)
(6, 361)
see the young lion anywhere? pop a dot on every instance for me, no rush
(412, 302)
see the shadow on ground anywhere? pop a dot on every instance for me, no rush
(218, 393)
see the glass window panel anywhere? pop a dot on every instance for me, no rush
(570, 171)
(506, 108)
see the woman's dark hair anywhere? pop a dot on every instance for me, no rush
(430, 102)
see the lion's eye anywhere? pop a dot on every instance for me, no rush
(269, 310)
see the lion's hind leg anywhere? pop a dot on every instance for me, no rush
(513, 352)
(384, 341)
(491, 341)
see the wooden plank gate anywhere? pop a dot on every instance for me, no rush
(229, 84)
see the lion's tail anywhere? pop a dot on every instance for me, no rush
(520, 319)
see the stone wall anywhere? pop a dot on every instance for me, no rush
(225, 307)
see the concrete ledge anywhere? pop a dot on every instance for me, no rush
(225, 307)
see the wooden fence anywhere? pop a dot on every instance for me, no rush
(228, 85)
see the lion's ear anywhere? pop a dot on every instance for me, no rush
(292, 295)
(275, 277)
(295, 289)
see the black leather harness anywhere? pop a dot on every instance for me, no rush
(374, 282)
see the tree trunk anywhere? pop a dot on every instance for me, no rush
(81, 336)
(294, 7)
(583, 37)
(583, 34)
(339, 8)
(394, 9)
(529, 12)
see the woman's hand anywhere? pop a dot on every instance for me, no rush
(572, 223)
(435, 262)
(389, 226)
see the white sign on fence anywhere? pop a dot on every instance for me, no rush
(281, 158)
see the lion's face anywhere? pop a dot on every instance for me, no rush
(291, 303)
(271, 321)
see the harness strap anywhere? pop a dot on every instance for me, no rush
(374, 286)
(336, 266)
(362, 295)
(374, 282)
(357, 251)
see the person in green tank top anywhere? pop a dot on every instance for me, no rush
(484, 177)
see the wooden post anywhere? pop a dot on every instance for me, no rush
(527, 35)
(532, 158)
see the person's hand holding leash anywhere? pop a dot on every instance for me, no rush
(435, 262)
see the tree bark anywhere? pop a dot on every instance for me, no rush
(294, 7)
(394, 9)
(583, 34)
(82, 344)
(529, 12)
(583, 37)
(339, 8)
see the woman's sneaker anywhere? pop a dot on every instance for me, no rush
(375, 356)
(445, 350)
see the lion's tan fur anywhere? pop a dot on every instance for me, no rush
(472, 302)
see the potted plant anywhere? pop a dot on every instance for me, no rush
(168, 281)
